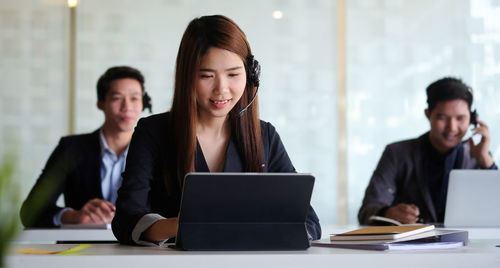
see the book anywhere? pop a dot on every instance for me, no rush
(382, 232)
(433, 239)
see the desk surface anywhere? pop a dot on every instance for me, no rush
(479, 253)
(51, 236)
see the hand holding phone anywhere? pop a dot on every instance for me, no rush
(480, 149)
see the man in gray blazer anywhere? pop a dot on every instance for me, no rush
(410, 182)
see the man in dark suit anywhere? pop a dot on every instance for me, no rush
(87, 168)
(410, 182)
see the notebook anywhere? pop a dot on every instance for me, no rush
(433, 239)
(473, 199)
(244, 211)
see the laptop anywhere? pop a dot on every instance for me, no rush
(244, 211)
(473, 199)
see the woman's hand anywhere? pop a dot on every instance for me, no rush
(161, 230)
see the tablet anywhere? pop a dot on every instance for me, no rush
(244, 211)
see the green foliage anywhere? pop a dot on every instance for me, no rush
(9, 205)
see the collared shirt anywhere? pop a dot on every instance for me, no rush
(112, 167)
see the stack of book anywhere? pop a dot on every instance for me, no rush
(404, 237)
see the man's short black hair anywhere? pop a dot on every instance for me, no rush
(447, 89)
(115, 73)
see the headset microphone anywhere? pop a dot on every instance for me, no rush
(246, 107)
(253, 72)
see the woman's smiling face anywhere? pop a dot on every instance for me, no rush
(220, 82)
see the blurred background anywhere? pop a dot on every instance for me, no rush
(340, 78)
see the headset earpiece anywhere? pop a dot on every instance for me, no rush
(473, 118)
(146, 102)
(253, 71)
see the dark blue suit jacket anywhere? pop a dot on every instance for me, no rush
(151, 154)
(73, 169)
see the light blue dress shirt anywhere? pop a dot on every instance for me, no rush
(112, 167)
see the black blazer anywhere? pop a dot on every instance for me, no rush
(143, 188)
(73, 169)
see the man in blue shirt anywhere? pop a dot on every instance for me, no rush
(410, 182)
(87, 168)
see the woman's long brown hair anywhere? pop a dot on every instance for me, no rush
(201, 34)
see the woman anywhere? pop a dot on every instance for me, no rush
(213, 125)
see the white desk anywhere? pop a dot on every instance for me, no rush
(51, 236)
(479, 253)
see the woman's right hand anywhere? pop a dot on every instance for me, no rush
(161, 230)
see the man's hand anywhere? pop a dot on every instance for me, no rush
(94, 211)
(480, 151)
(404, 213)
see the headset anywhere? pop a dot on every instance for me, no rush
(146, 102)
(473, 122)
(253, 73)
(473, 113)
(473, 118)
